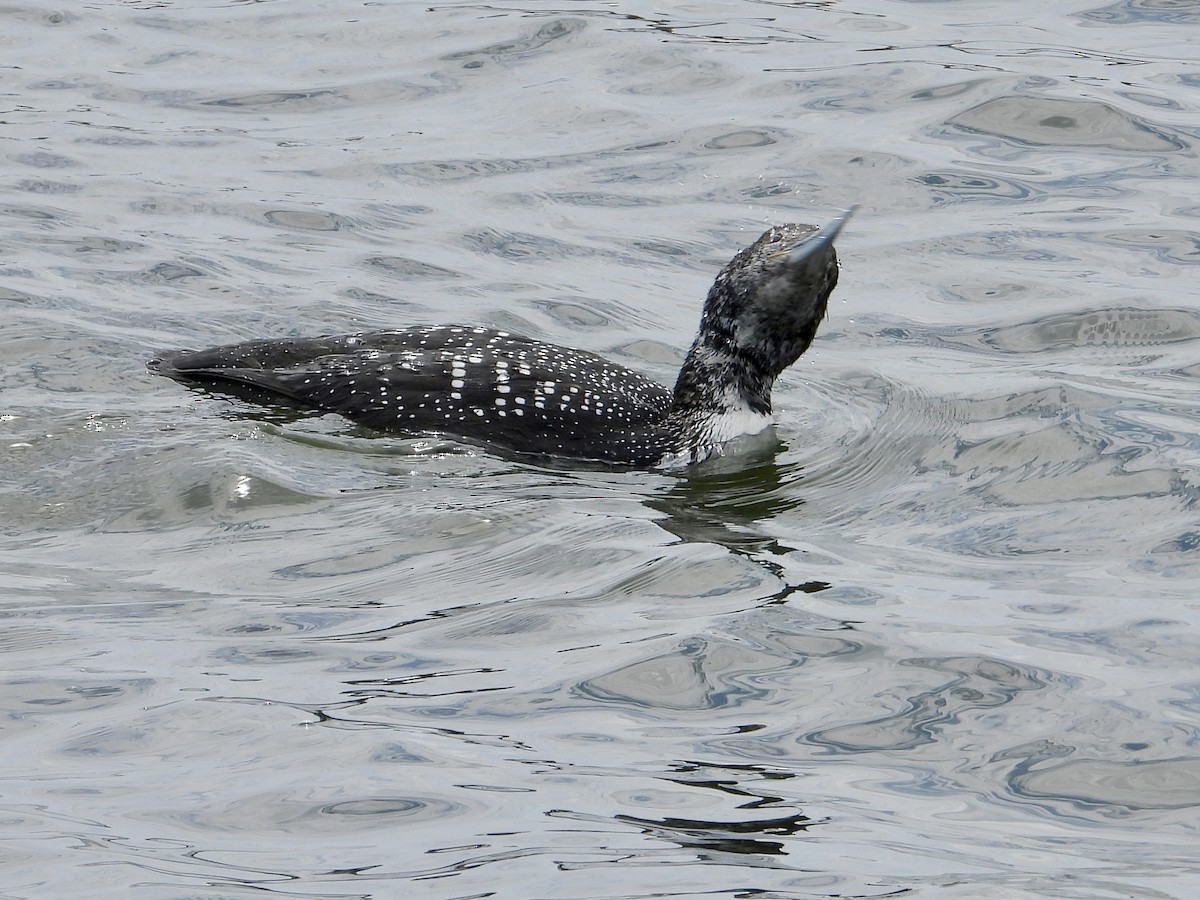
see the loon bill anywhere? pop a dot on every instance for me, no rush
(531, 397)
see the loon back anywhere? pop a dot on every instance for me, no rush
(474, 383)
(532, 397)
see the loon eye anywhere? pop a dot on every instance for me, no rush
(782, 250)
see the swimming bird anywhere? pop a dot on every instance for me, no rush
(530, 397)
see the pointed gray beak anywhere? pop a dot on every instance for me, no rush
(822, 239)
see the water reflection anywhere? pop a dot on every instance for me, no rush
(1133, 12)
(1109, 788)
(976, 684)
(721, 502)
(722, 837)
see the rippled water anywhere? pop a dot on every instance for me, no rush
(942, 642)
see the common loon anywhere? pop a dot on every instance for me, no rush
(531, 397)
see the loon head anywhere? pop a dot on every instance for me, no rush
(766, 304)
(761, 314)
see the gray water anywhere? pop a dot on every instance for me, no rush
(943, 642)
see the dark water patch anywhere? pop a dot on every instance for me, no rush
(96, 470)
(670, 579)
(1118, 329)
(834, 96)
(575, 315)
(669, 27)
(1054, 445)
(759, 488)
(384, 306)
(675, 29)
(738, 837)
(282, 809)
(93, 245)
(661, 74)
(948, 187)
(393, 215)
(289, 625)
(519, 49)
(1187, 542)
(49, 696)
(11, 295)
(389, 807)
(464, 169)
(703, 674)
(1137, 12)
(722, 502)
(600, 199)
(409, 268)
(263, 655)
(106, 742)
(42, 186)
(1001, 50)
(172, 271)
(173, 56)
(748, 835)
(1189, 702)
(654, 353)
(672, 250)
(271, 100)
(166, 98)
(307, 219)
(43, 159)
(1155, 101)
(422, 685)
(32, 15)
(1042, 121)
(741, 140)
(1113, 788)
(947, 91)
(178, 271)
(1167, 245)
(1087, 456)
(769, 191)
(998, 292)
(33, 213)
(522, 246)
(976, 684)
(63, 84)
(641, 174)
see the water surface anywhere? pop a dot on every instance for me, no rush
(941, 642)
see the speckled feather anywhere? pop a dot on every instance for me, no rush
(530, 396)
(533, 397)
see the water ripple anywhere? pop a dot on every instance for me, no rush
(1135, 12)
(938, 627)
(1113, 788)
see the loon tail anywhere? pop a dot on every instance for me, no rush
(255, 364)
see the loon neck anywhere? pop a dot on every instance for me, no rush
(718, 378)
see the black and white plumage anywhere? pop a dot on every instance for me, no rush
(532, 397)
